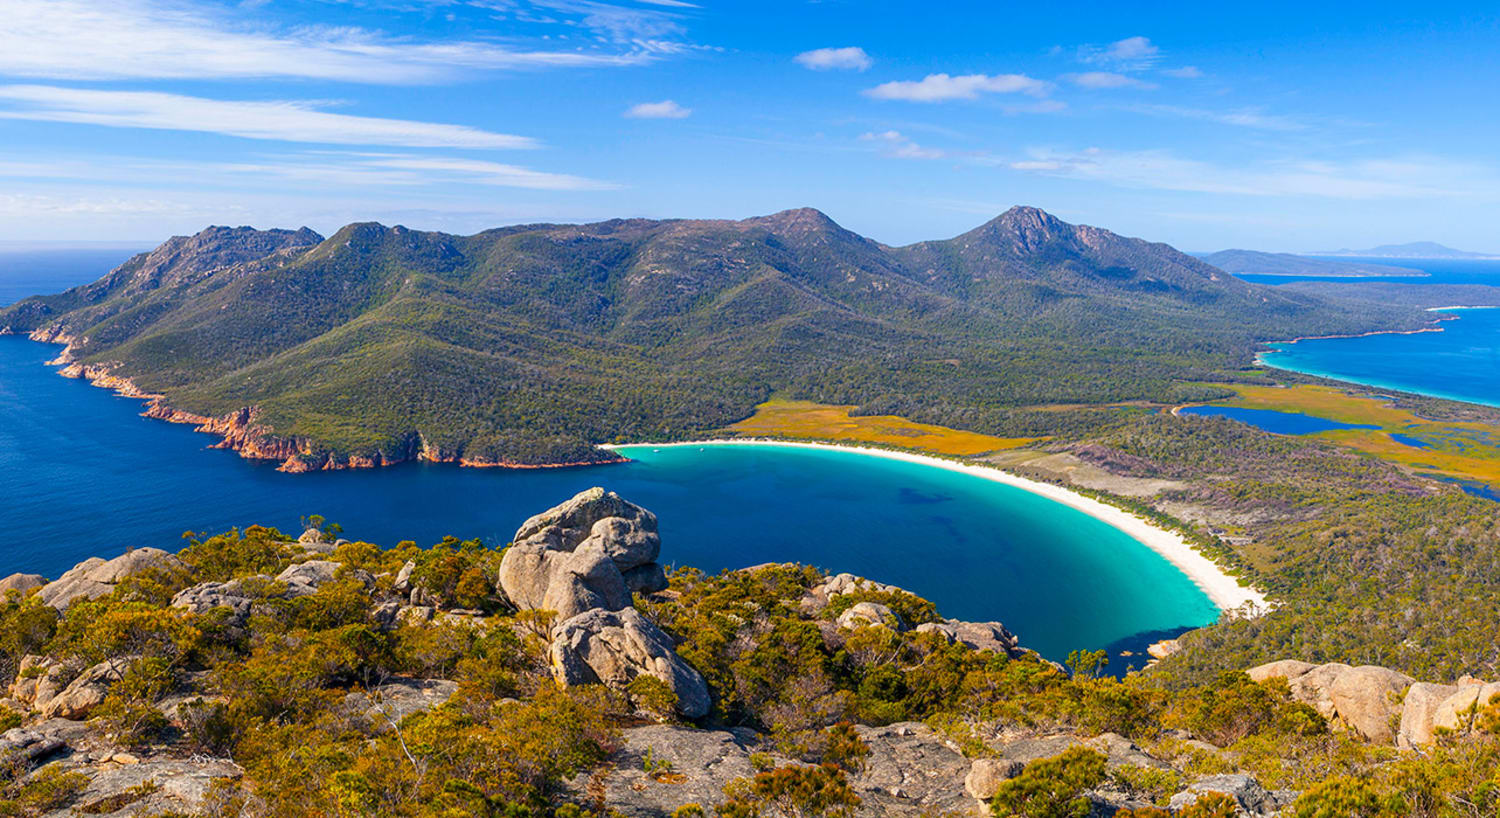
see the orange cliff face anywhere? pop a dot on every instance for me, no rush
(241, 432)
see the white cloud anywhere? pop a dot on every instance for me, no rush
(897, 145)
(666, 109)
(150, 39)
(292, 121)
(1380, 178)
(476, 171)
(825, 59)
(1106, 79)
(1129, 54)
(941, 87)
(1186, 72)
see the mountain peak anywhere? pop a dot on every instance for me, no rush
(797, 220)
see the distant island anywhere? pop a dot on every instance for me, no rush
(1416, 249)
(1253, 262)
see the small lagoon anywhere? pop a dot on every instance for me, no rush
(1281, 423)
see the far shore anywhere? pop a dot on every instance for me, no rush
(1225, 591)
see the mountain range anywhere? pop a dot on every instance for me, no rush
(527, 345)
(1416, 249)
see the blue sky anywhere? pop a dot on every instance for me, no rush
(1272, 126)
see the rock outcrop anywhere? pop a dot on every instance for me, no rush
(206, 596)
(1366, 699)
(1418, 711)
(1252, 798)
(614, 647)
(865, 614)
(977, 635)
(21, 583)
(590, 552)
(95, 577)
(306, 578)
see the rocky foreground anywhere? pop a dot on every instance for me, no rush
(584, 584)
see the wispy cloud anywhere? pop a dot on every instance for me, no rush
(1379, 178)
(897, 145)
(150, 39)
(826, 59)
(1129, 54)
(1100, 80)
(1186, 72)
(943, 87)
(666, 109)
(291, 121)
(1241, 117)
(327, 170)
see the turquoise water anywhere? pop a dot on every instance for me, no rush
(1438, 270)
(1460, 363)
(1281, 423)
(81, 473)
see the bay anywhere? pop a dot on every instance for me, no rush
(82, 474)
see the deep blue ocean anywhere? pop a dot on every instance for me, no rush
(1462, 362)
(82, 474)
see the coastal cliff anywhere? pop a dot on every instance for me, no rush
(241, 430)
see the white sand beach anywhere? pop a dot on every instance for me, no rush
(1223, 590)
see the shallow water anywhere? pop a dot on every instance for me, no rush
(1281, 423)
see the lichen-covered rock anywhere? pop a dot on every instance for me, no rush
(180, 786)
(95, 577)
(1252, 798)
(693, 767)
(589, 552)
(206, 596)
(977, 635)
(1288, 669)
(614, 647)
(387, 704)
(911, 770)
(865, 614)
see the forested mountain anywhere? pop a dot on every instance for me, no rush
(527, 344)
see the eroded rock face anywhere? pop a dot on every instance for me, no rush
(389, 703)
(987, 774)
(702, 762)
(911, 770)
(95, 577)
(1458, 712)
(1367, 699)
(614, 647)
(590, 552)
(182, 786)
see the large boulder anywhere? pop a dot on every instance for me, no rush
(976, 635)
(911, 770)
(1366, 699)
(150, 786)
(1417, 712)
(1459, 712)
(987, 774)
(867, 614)
(690, 766)
(21, 583)
(95, 577)
(590, 552)
(306, 578)
(86, 692)
(614, 647)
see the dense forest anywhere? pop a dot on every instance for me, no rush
(529, 344)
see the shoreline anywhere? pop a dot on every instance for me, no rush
(1224, 591)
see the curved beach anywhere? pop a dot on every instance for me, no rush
(1223, 590)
